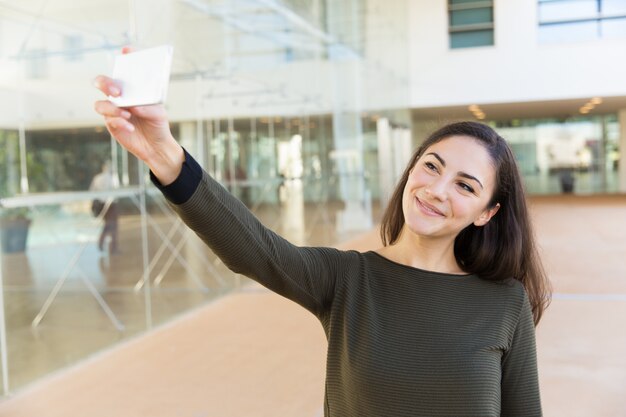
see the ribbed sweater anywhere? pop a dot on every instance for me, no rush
(401, 341)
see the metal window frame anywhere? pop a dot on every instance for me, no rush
(599, 18)
(471, 27)
(481, 4)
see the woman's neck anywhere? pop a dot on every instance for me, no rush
(430, 254)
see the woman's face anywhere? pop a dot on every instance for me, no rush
(449, 188)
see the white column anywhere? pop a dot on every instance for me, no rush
(621, 115)
(188, 138)
(385, 170)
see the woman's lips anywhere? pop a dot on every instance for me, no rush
(428, 209)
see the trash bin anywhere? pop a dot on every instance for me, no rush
(567, 181)
(13, 235)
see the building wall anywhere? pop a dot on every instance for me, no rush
(516, 69)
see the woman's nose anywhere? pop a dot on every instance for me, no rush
(438, 189)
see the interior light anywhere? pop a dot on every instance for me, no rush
(474, 108)
(596, 100)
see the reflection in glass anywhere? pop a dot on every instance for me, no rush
(471, 16)
(613, 7)
(567, 10)
(614, 28)
(257, 94)
(469, 39)
(581, 20)
(569, 32)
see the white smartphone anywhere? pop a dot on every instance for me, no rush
(144, 76)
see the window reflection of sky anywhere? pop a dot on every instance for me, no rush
(572, 32)
(567, 10)
(558, 20)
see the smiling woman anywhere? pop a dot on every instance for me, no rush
(438, 322)
(466, 175)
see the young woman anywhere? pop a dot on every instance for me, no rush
(437, 322)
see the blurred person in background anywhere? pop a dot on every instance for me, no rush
(102, 182)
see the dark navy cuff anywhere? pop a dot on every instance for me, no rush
(184, 185)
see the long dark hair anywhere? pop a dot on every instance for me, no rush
(504, 247)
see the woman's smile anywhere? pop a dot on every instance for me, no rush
(428, 209)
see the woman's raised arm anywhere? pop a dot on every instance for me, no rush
(305, 275)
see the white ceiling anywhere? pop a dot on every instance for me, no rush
(527, 110)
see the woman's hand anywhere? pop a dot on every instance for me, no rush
(144, 131)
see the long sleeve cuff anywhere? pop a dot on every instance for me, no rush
(184, 185)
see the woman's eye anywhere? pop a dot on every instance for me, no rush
(430, 166)
(466, 187)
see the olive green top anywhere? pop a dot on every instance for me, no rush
(401, 341)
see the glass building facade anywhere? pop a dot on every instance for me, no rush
(271, 97)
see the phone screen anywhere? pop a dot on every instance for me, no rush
(144, 76)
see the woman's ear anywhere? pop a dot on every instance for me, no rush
(486, 215)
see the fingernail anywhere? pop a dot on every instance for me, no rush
(125, 114)
(114, 91)
(130, 128)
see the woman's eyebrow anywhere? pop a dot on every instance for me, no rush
(440, 159)
(462, 174)
(471, 177)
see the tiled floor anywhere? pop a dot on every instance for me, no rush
(582, 340)
(224, 359)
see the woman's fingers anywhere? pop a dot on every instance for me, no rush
(106, 108)
(152, 112)
(107, 85)
(118, 124)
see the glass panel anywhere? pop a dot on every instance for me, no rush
(9, 163)
(574, 156)
(471, 39)
(612, 152)
(571, 32)
(471, 16)
(613, 28)
(610, 7)
(247, 80)
(49, 60)
(63, 160)
(567, 10)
